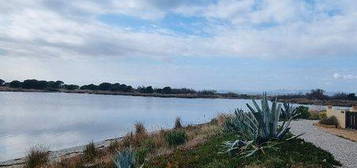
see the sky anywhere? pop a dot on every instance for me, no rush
(250, 45)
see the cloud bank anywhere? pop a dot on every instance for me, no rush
(263, 29)
(264, 44)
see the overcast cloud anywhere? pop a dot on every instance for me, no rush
(51, 33)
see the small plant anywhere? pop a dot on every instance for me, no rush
(124, 159)
(178, 124)
(304, 112)
(289, 112)
(322, 115)
(330, 121)
(90, 152)
(37, 157)
(176, 137)
(314, 116)
(113, 146)
(139, 128)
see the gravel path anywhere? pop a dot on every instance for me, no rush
(343, 150)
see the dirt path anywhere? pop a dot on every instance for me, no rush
(342, 149)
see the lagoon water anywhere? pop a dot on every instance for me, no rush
(60, 120)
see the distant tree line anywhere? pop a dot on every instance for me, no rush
(105, 86)
(317, 94)
(320, 94)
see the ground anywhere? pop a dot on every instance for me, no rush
(349, 134)
(342, 149)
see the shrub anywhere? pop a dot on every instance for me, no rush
(304, 112)
(322, 115)
(37, 157)
(176, 137)
(90, 152)
(178, 124)
(124, 159)
(139, 128)
(258, 128)
(314, 116)
(330, 121)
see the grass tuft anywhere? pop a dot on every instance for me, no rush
(90, 152)
(176, 137)
(139, 128)
(37, 157)
(178, 124)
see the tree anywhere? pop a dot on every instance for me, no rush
(34, 84)
(351, 96)
(166, 90)
(15, 84)
(89, 87)
(2, 82)
(105, 86)
(58, 84)
(143, 89)
(317, 94)
(207, 92)
(71, 87)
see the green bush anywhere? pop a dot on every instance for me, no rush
(314, 116)
(304, 112)
(322, 115)
(330, 121)
(176, 137)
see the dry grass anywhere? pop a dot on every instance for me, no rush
(140, 128)
(37, 157)
(178, 124)
(154, 143)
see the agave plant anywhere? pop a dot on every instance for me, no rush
(289, 112)
(124, 159)
(257, 127)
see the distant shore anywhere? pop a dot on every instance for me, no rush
(333, 102)
(195, 95)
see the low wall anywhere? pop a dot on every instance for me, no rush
(339, 114)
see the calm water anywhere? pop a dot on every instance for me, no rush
(59, 120)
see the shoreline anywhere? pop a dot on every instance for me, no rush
(188, 96)
(302, 101)
(59, 154)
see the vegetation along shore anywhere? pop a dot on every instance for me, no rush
(315, 96)
(252, 139)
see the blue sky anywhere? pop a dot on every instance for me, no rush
(250, 45)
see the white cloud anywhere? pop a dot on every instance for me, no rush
(344, 76)
(53, 28)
